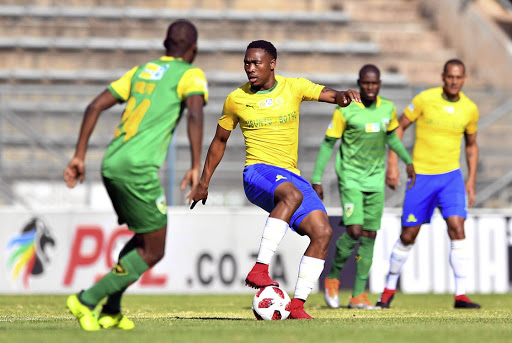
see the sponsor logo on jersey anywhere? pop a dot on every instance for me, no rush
(372, 127)
(411, 218)
(250, 106)
(153, 71)
(266, 103)
(348, 209)
(385, 123)
(161, 204)
(330, 126)
(281, 177)
(449, 109)
(358, 258)
(410, 107)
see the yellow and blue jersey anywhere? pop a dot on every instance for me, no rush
(440, 125)
(269, 120)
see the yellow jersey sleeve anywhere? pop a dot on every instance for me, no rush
(415, 108)
(310, 91)
(472, 126)
(193, 82)
(337, 125)
(120, 89)
(393, 124)
(228, 119)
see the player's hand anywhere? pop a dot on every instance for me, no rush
(411, 175)
(392, 177)
(198, 193)
(344, 99)
(191, 179)
(471, 193)
(319, 190)
(74, 172)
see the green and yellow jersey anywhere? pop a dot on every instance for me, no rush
(154, 94)
(269, 120)
(360, 162)
(440, 125)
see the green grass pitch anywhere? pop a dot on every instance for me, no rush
(229, 318)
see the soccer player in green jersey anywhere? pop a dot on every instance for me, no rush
(364, 128)
(155, 93)
(267, 109)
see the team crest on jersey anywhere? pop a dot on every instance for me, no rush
(153, 71)
(372, 127)
(348, 209)
(449, 109)
(161, 204)
(385, 123)
(266, 103)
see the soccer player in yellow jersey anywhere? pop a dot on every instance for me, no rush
(267, 109)
(443, 115)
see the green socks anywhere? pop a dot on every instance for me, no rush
(344, 248)
(128, 270)
(364, 261)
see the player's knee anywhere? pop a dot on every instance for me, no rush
(154, 257)
(322, 234)
(354, 231)
(407, 239)
(294, 198)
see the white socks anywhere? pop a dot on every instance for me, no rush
(459, 261)
(399, 255)
(309, 271)
(273, 233)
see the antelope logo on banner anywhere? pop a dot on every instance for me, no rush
(27, 251)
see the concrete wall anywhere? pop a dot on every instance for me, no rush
(479, 42)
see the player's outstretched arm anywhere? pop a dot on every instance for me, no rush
(392, 173)
(194, 105)
(213, 158)
(472, 160)
(341, 98)
(75, 171)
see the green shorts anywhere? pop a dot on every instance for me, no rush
(141, 206)
(362, 208)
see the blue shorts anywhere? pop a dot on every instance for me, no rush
(261, 180)
(446, 191)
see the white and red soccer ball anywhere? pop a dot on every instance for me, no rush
(271, 303)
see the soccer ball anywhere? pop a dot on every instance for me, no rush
(271, 303)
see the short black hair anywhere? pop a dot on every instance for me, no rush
(369, 68)
(265, 45)
(455, 61)
(181, 35)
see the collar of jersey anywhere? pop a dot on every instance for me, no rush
(442, 96)
(377, 103)
(170, 58)
(266, 90)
